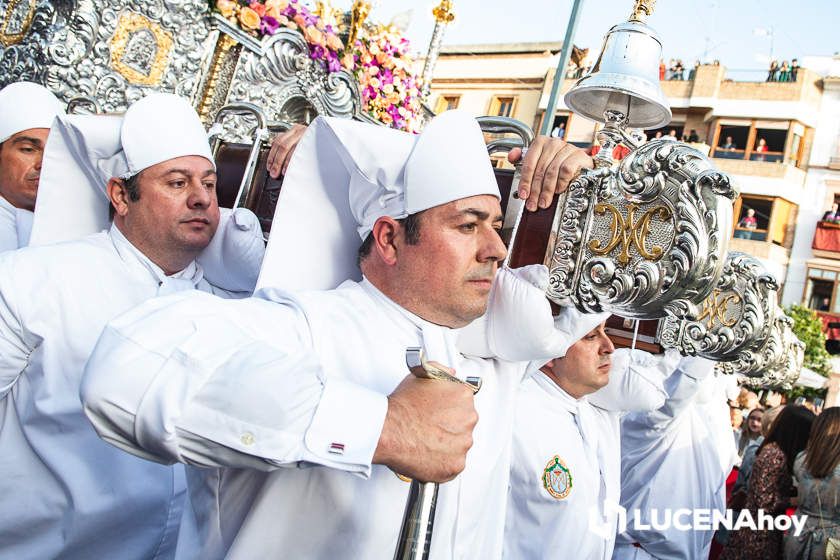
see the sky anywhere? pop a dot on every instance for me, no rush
(728, 30)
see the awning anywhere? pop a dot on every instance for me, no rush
(810, 378)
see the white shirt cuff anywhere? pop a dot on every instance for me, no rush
(346, 426)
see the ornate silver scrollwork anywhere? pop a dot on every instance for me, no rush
(24, 56)
(646, 240)
(767, 356)
(290, 86)
(116, 51)
(735, 319)
(783, 374)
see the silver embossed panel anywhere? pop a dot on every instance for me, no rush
(736, 318)
(644, 240)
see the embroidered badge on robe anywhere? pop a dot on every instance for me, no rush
(557, 478)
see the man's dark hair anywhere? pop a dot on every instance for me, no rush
(411, 226)
(132, 187)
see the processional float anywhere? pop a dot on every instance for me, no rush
(645, 238)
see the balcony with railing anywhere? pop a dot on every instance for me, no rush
(827, 240)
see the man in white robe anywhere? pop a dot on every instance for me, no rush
(308, 380)
(675, 457)
(66, 493)
(566, 462)
(27, 111)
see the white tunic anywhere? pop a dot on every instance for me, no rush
(65, 492)
(671, 459)
(242, 388)
(15, 226)
(554, 504)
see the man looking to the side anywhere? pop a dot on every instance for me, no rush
(27, 111)
(566, 465)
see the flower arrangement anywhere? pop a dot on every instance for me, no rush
(379, 59)
(262, 18)
(382, 65)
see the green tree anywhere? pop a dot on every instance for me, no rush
(809, 328)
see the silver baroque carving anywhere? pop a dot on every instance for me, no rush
(666, 212)
(735, 320)
(79, 58)
(27, 60)
(766, 357)
(290, 86)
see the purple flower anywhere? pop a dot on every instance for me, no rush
(269, 25)
(333, 64)
(316, 52)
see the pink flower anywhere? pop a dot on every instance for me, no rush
(257, 7)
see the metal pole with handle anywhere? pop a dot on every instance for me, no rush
(419, 517)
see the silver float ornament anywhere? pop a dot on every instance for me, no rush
(769, 356)
(734, 321)
(625, 78)
(646, 238)
(785, 373)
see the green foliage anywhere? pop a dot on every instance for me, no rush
(809, 328)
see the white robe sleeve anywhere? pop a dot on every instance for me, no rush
(518, 325)
(221, 383)
(234, 256)
(681, 386)
(16, 343)
(635, 385)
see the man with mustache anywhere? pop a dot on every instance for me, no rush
(66, 493)
(27, 111)
(258, 396)
(566, 463)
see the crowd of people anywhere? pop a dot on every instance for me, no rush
(675, 70)
(783, 72)
(785, 468)
(173, 388)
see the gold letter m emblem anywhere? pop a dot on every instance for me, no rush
(630, 232)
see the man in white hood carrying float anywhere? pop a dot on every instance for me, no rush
(258, 396)
(66, 493)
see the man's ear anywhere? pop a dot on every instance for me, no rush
(118, 195)
(385, 233)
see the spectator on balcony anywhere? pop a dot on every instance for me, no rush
(673, 133)
(559, 131)
(784, 72)
(747, 222)
(669, 75)
(772, 74)
(832, 215)
(794, 69)
(693, 136)
(824, 305)
(657, 135)
(679, 71)
(728, 145)
(761, 149)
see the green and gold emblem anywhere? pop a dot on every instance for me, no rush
(557, 478)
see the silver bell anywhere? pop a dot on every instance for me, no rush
(625, 78)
